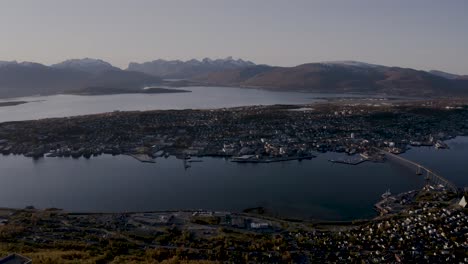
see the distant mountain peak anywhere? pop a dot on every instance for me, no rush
(24, 63)
(351, 63)
(86, 64)
(188, 68)
(3, 63)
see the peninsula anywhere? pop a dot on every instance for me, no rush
(12, 103)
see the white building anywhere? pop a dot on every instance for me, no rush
(462, 202)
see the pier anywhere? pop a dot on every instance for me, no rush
(422, 171)
(253, 159)
(142, 157)
(348, 161)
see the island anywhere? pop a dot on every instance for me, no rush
(110, 90)
(12, 103)
(245, 134)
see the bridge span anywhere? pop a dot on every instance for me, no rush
(422, 170)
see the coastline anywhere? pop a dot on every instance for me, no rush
(12, 103)
(402, 201)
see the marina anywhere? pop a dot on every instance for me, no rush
(393, 203)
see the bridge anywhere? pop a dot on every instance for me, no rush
(422, 170)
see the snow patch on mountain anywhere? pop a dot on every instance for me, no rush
(352, 63)
(86, 64)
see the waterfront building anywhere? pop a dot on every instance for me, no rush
(462, 202)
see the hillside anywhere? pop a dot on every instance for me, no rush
(340, 77)
(26, 79)
(87, 65)
(81, 75)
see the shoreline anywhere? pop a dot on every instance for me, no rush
(146, 158)
(12, 103)
(381, 207)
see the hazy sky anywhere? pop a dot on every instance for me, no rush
(422, 34)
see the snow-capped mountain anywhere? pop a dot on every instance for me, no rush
(352, 63)
(189, 68)
(86, 65)
(30, 78)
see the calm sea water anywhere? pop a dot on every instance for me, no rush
(451, 163)
(199, 98)
(314, 189)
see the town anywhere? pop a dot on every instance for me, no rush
(425, 226)
(244, 134)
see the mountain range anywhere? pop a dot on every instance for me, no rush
(177, 69)
(77, 75)
(342, 77)
(27, 78)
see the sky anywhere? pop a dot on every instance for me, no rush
(420, 34)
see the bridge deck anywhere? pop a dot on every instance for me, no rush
(429, 172)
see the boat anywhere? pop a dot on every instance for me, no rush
(51, 154)
(386, 194)
(440, 145)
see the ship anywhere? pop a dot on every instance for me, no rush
(440, 145)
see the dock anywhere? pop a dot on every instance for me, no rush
(142, 158)
(270, 160)
(349, 162)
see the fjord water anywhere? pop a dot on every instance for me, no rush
(311, 189)
(450, 163)
(308, 189)
(199, 98)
